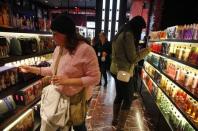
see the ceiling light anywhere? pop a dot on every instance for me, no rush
(46, 1)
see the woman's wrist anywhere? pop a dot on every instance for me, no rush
(39, 71)
(35, 70)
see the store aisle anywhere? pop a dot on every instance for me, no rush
(100, 112)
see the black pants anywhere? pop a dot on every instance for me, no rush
(124, 93)
(103, 71)
(136, 73)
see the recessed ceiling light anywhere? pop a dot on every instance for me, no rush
(46, 1)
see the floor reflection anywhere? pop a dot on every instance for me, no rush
(100, 112)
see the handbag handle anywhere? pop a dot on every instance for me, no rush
(57, 61)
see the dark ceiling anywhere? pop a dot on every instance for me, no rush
(69, 3)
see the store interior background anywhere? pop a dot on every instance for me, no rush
(159, 14)
(93, 16)
(88, 14)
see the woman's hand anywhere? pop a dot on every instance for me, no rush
(59, 80)
(104, 54)
(25, 69)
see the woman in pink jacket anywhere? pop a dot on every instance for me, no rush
(78, 66)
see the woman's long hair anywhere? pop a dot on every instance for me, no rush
(135, 25)
(64, 24)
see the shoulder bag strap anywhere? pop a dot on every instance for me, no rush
(57, 61)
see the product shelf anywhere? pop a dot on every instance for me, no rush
(18, 112)
(193, 95)
(179, 61)
(178, 108)
(17, 58)
(11, 90)
(17, 30)
(157, 104)
(175, 40)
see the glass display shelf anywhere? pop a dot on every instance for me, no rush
(17, 113)
(13, 89)
(194, 125)
(177, 60)
(9, 59)
(175, 40)
(193, 95)
(158, 106)
(17, 30)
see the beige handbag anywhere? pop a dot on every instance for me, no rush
(54, 106)
(123, 76)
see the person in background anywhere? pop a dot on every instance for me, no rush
(124, 57)
(78, 67)
(103, 52)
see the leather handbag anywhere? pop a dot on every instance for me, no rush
(123, 76)
(54, 106)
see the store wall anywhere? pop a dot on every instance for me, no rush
(136, 8)
(178, 12)
(110, 23)
(140, 7)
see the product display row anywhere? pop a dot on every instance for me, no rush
(24, 40)
(184, 52)
(185, 77)
(40, 61)
(24, 45)
(171, 71)
(30, 23)
(171, 114)
(19, 92)
(23, 14)
(182, 101)
(26, 121)
(10, 74)
(14, 105)
(180, 32)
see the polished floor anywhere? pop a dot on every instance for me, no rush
(100, 112)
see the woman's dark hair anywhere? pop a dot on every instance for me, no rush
(135, 25)
(65, 25)
(102, 33)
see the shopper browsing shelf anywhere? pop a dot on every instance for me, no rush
(124, 57)
(77, 68)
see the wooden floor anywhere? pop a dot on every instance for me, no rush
(100, 112)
